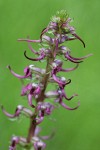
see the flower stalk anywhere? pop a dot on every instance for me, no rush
(52, 39)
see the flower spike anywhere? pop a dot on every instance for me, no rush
(52, 49)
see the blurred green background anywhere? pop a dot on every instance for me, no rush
(80, 129)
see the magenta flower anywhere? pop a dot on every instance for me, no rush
(45, 108)
(15, 141)
(31, 90)
(20, 109)
(39, 145)
(42, 56)
(27, 72)
(60, 100)
(16, 114)
(57, 67)
(37, 140)
(75, 60)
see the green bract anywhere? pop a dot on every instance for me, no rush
(61, 16)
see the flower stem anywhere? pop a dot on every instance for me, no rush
(31, 128)
(40, 98)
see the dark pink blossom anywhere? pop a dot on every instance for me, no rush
(45, 108)
(27, 73)
(16, 114)
(20, 109)
(75, 60)
(31, 90)
(14, 142)
(39, 145)
(60, 101)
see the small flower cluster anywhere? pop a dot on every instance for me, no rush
(52, 39)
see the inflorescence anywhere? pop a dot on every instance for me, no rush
(52, 39)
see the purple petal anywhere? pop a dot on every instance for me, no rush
(58, 62)
(66, 38)
(53, 24)
(79, 39)
(44, 31)
(35, 59)
(63, 39)
(48, 39)
(70, 69)
(51, 94)
(62, 94)
(26, 70)
(39, 120)
(37, 70)
(44, 108)
(66, 23)
(37, 130)
(27, 112)
(58, 81)
(26, 89)
(30, 100)
(15, 141)
(63, 48)
(17, 112)
(49, 108)
(37, 91)
(30, 47)
(67, 107)
(78, 58)
(69, 98)
(71, 59)
(39, 145)
(28, 40)
(48, 137)
(60, 100)
(6, 113)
